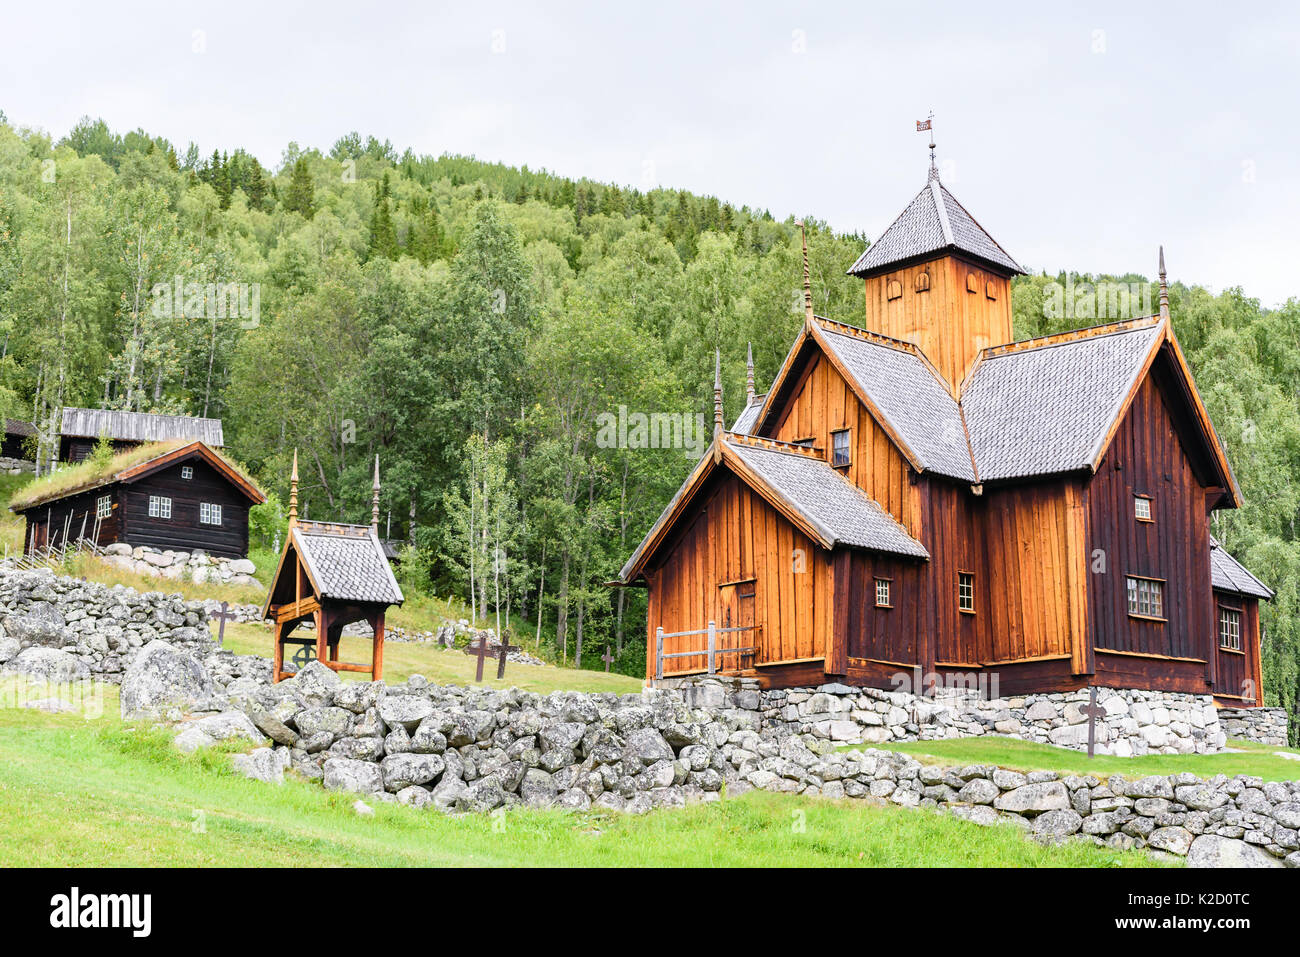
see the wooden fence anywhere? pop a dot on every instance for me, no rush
(711, 651)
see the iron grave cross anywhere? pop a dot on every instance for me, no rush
(607, 658)
(223, 616)
(479, 650)
(1092, 711)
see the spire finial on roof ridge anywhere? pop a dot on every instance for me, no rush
(749, 374)
(717, 392)
(374, 508)
(293, 491)
(1164, 287)
(807, 276)
(929, 125)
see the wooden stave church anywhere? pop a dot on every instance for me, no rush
(947, 481)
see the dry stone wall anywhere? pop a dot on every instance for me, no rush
(1262, 725)
(479, 750)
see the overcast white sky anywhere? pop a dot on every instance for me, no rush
(1079, 138)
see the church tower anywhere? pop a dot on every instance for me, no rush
(937, 279)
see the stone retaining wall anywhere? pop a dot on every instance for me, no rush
(1263, 725)
(477, 750)
(1136, 722)
(16, 466)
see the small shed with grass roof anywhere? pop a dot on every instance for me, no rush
(330, 575)
(179, 495)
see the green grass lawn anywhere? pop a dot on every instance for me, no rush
(402, 659)
(97, 793)
(1026, 756)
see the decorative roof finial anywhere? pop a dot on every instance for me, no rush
(922, 126)
(749, 374)
(807, 277)
(374, 508)
(717, 393)
(293, 492)
(1164, 287)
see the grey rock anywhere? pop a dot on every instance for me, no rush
(344, 774)
(49, 664)
(403, 770)
(162, 681)
(1175, 840)
(1210, 850)
(262, 764)
(1034, 798)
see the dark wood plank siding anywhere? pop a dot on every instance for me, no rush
(183, 531)
(70, 513)
(885, 635)
(1236, 675)
(1146, 457)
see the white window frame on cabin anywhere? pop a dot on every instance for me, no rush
(883, 597)
(160, 506)
(1145, 597)
(1142, 508)
(209, 513)
(966, 592)
(187, 471)
(848, 448)
(104, 506)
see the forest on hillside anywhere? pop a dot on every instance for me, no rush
(473, 325)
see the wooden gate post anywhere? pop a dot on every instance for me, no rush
(713, 641)
(659, 653)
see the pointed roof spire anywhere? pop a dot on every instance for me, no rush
(293, 492)
(374, 508)
(807, 277)
(749, 374)
(934, 166)
(1164, 287)
(717, 393)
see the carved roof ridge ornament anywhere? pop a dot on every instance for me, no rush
(1164, 287)
(921, 127)
(807, 276)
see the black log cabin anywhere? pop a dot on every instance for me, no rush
(182, 496)
(922, 495)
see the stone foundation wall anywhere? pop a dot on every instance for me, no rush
(16, 466)
(196, 566)
(1263, 725)
(1136, 722)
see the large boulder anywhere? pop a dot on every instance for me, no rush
(49, 664)
(1210, 850)
(344, 774)
(1034, 799)
(400, 771)
(228, 725)
(263, 764)
(8, 648)
(41, 624)
(314, 684)
(163, 682)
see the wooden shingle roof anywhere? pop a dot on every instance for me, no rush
(931, 224)
(1228, 574)
(140, 426)
(346, 562)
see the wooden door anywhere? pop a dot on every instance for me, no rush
(736, 604)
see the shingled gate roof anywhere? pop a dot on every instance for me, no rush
(932, 223)
(140, 426)
(346, 562)
(1228, 574)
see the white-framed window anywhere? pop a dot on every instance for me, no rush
(966, 591)
(187, 471)
(882, 593)
(209, 514)
(1146, 597)
(840, 448)
(104, 506)
(806, 443)
(1142, 508)
(1229, 628)
(160, 506)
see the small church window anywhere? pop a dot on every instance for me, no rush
(923, 281)
(160, 506)
(209, 514)
(990, 290)
(840, 448)
(882, 593)
(893, 289)
(104, 506)
(972, 282)
(1142, 508)
(1146, 597)
(966, 591)
(187, 472)
(1229, 628)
